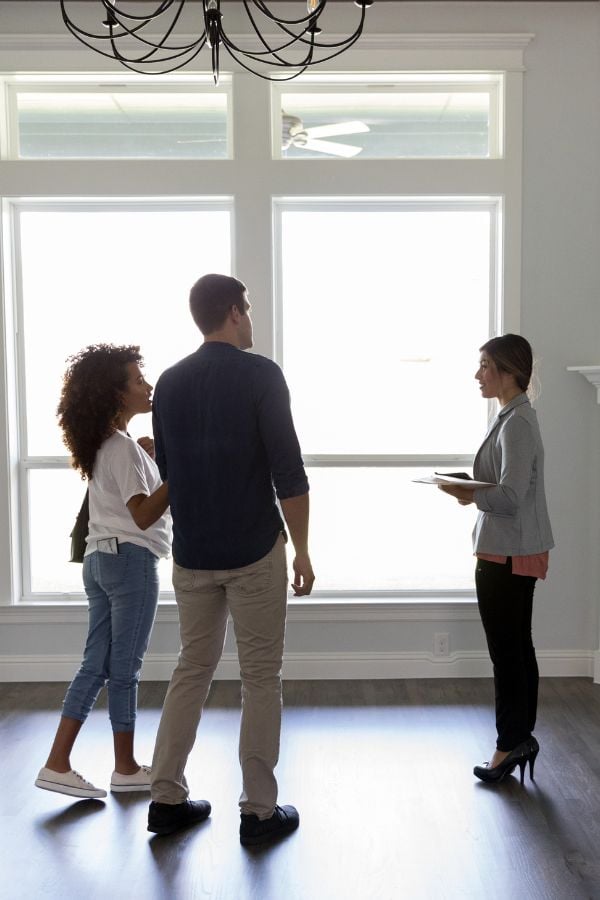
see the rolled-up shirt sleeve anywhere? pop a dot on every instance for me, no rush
(518, 449)
(278, 434)
(126, 465)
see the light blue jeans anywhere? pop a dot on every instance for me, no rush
(122, 591)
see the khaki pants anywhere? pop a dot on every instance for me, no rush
(256, 596)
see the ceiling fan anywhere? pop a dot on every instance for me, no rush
(294, 134)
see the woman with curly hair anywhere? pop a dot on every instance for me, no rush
(129, 529)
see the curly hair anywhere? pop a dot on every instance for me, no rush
(91, 399)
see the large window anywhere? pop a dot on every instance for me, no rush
(375, 218)
(379, 339)
(90, 273)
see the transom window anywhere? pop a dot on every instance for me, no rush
(115, 120)
(422, 117)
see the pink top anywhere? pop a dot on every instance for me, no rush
(535, 565)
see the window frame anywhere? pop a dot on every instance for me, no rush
(26, 462)
(493, 205)
(252, 111)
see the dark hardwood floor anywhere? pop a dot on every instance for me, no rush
(381, 772)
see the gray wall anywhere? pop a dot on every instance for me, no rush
(560, 314)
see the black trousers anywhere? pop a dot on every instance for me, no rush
(506, 605)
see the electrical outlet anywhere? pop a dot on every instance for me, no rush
(441, 644)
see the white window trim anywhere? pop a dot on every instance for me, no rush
(48, 55)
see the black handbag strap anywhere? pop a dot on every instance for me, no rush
(80, 530)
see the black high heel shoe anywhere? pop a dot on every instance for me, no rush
(520, 756)
(534, 749)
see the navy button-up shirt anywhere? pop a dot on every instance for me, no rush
(226, 442)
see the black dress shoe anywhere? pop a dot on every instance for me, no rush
(520, 756)
(165, 818)
(258, 831)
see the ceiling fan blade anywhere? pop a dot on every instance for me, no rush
(332, 148)
(319, 131)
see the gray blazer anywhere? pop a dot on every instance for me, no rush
(513, 517)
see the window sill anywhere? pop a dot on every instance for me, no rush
(455, 607)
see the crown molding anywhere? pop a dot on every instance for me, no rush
(65, 43)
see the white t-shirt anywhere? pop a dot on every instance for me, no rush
(122, 470)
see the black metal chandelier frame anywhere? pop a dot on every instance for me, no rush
(158, 56)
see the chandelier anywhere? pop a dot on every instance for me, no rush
(125, 34)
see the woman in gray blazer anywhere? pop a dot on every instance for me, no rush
(511, 540)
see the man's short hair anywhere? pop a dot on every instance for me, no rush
(212, 297)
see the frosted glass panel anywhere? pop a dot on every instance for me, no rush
(436, 123)
(374, 529)
(122, 125)
(121, 277)
(55, 496)
(383, 315)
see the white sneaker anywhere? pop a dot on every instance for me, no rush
(71, 783)
(139, 781)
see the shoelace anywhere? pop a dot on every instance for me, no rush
(81, 778)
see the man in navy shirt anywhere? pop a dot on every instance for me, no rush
(226, 443)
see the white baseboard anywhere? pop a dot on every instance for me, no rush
(306, 666)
